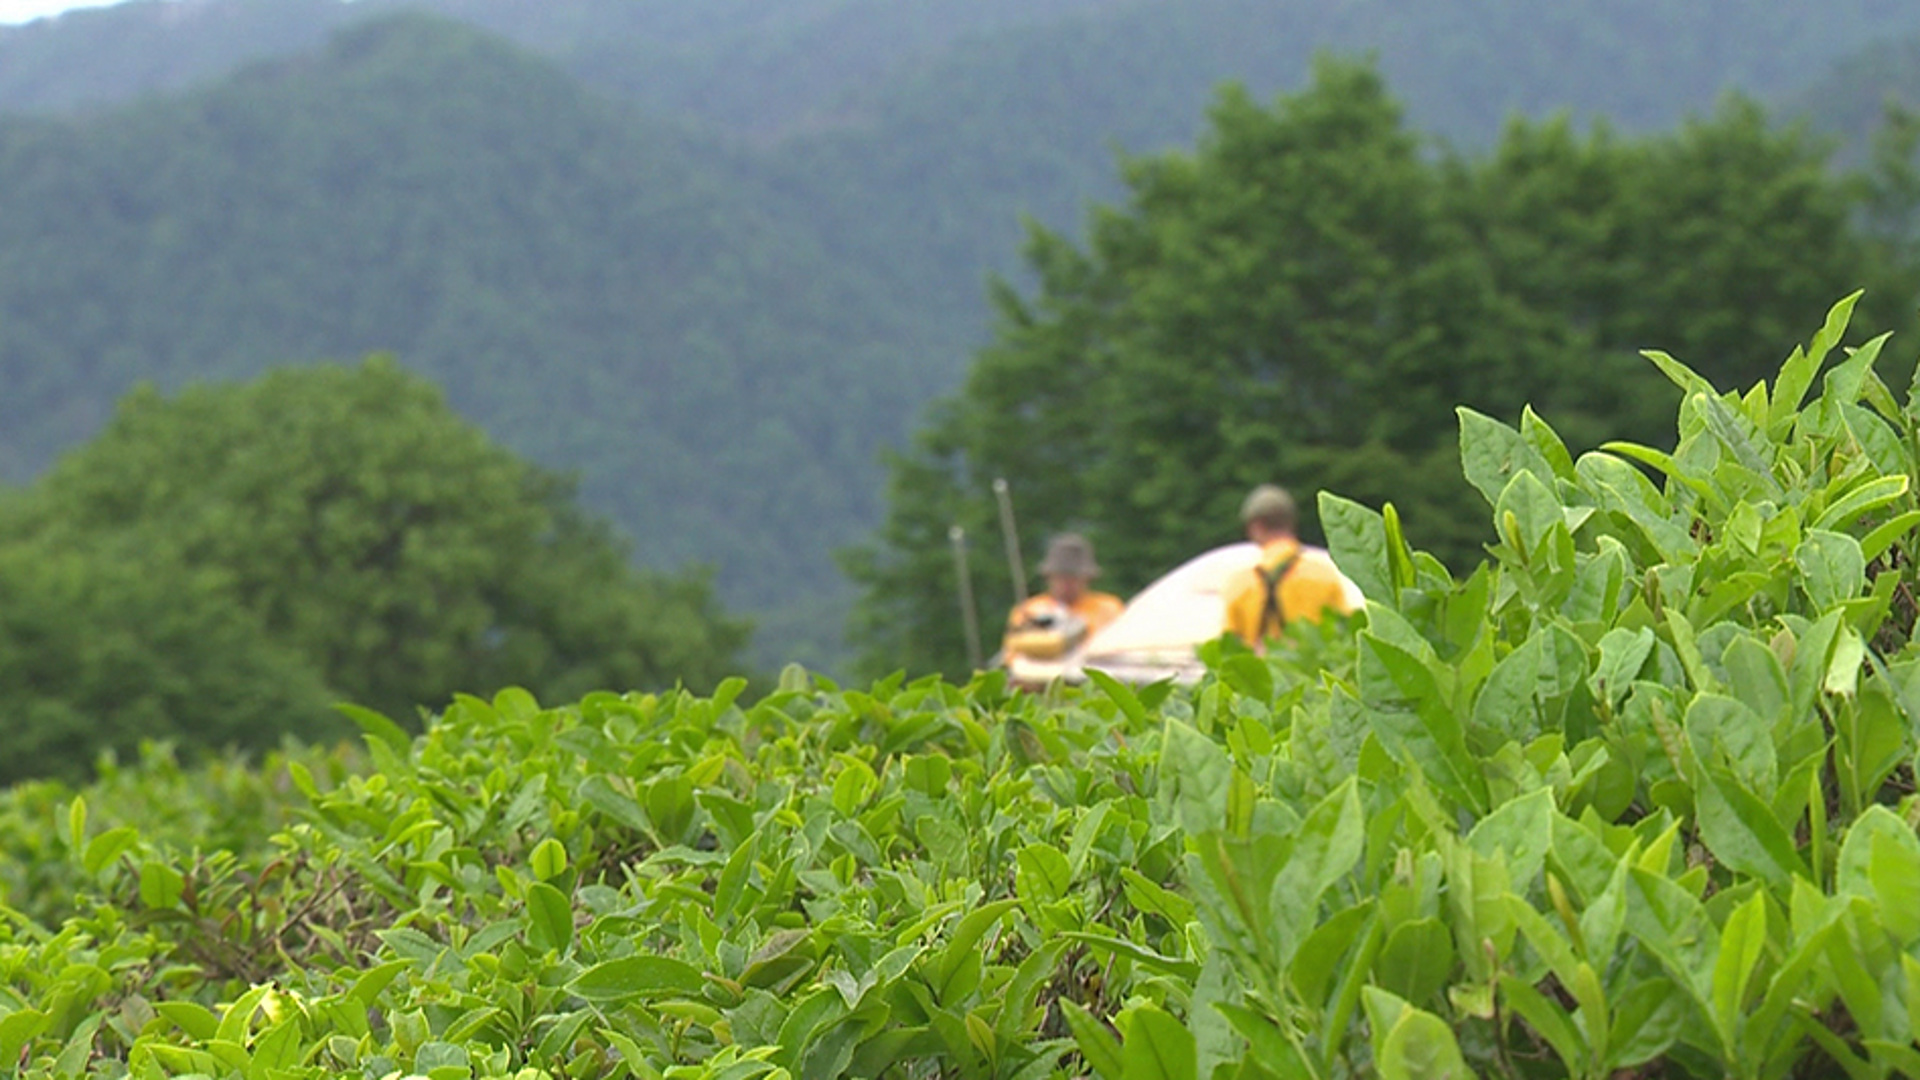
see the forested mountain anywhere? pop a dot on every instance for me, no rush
(749, 65)
(713, 255)
(1851, 99)
(606, 294)
(773, 68)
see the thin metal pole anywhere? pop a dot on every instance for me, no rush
(969, 617)
(1011, 536)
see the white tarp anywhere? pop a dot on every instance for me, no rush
(1163, 625)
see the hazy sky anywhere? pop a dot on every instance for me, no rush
(16, 11)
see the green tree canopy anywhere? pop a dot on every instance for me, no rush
(106, 642)
(218, 565)
(1308, 295)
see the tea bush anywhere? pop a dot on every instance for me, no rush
(1635, 798)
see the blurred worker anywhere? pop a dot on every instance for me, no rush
(1054, 623)
(1288, 583)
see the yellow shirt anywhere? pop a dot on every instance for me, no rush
(1311, 587)
(1038, 629)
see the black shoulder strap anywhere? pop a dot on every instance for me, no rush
(1273, 614)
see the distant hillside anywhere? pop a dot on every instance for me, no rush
(1851, 98)
(605, 294)
(757, 67)
(715, 255)
(104, 56)
(1027, 121)
(768, 68)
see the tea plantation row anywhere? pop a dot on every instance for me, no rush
(1634, 798)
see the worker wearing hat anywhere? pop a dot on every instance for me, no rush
(1288, 583)
(1055, 622)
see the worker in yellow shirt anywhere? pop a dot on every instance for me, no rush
(1288, 583)
(1057, 621)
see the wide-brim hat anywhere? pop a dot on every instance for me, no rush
(1267, 501)
(1070, 555)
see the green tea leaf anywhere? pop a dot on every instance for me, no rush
(781, 960)
(1863, 499)
(1742, 940)
(549, 859)
(1520, 832)
(196, 1020)
(1412, 1044)
(1193, 777)
(77, 825)
(1675, 929)
(1268, 1045)
(1357, 540)
(79, 1049)
(1688, 380)
(1740, 829)
(596, 792)
(633, 978)
(1157, 1047)
(1154, 900)
(1877, 828)
(1547, 443)
(1755, 677)
(1649, 1018)
(1893, 866)
(1549, 1020)
(1623, 653)
(1412, 716)
(670, 807)
(1621, 489)
(367, 988)
(550, 918)
(1832, 566)
(375, 726)
(108, 846)
(1796, 376)
(1492, 454)
(1873, 739)
(1416, 961)
(1847, 381)
(1842, 675)
(1321, 953)
(1097, 1044)
(1884, 536)
(1325, 848)
(1043, 873)
(1120, 694)
(1723, 729)
(1534, 507)
(1140, 954)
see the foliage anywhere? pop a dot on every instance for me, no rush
(233, 803)
(104, 643)
(1307, 296)
(792, 234)
(216, 568)
(1634, 796)
(598, 291)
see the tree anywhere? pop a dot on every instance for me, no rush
(1713, 243)
(106, 643)
(1308, 296)
(347, 518)
(1245, 318)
